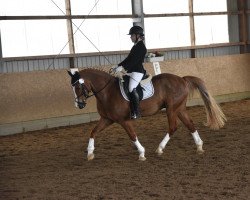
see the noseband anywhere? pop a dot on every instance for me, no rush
(83, 88)
(84, 93)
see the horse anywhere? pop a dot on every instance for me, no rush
(170, 92)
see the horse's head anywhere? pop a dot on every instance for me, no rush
(80, 88)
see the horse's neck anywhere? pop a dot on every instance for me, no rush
(97, 77)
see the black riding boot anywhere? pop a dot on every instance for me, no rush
(134, 104)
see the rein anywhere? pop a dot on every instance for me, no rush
(95, 93)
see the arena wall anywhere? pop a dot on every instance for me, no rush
(44, 99)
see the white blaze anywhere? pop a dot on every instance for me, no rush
(73, 71)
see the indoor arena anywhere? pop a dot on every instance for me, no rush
(125, 99)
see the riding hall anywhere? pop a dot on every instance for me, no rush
(51, 163)
(44, 138)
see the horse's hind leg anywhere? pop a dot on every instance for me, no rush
(101, 125)
(172, 121)
(127, 125)
(183, 116)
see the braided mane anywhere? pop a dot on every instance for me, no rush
(97, 69)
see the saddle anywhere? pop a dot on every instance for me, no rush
(144, 89)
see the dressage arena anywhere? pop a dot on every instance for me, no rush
(47, 142)
(52, 164)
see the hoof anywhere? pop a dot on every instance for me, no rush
(91, 157)
(159, 151)
(200, 150)
(142, 158)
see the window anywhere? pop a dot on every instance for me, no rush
(211, 29)
(165, 6)
(30, 7)
(101, 7)
(167, 32)
(105, 34)
(44, 37)
(32, 37)
(210, 5)
(163, 32)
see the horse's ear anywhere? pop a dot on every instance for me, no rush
(69, 72)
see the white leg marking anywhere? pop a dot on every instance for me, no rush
(141, 150)
(197, 138)
(163, 144)
(73, 88)
(90, 149)
(198, 142)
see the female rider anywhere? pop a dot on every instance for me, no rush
(133, 65)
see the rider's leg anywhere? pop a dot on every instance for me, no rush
(135, 79)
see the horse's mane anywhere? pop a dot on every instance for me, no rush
(98, 70)
(93, 69)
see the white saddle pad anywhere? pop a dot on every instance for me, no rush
(147, 92)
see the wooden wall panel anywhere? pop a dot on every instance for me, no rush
(47, 94)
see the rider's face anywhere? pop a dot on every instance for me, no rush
(133, 38)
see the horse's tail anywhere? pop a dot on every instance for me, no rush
(215, 117)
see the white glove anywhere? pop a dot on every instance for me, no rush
(116, 68)
(119, 69)
(113, 68)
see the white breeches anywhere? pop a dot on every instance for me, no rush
(135, 78)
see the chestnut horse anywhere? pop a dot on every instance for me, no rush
(170, 92)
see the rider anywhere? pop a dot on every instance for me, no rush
(133, 65)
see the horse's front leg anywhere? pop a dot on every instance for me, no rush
(101, 125)
(127, 125)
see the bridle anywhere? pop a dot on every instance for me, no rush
(85, 92)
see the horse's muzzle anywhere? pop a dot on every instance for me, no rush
(81, 105)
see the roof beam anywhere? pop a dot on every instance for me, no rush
(1, 54)
(136, 15)
(137, 11)
(70, 32)
(46, 17)
(192, 29)
(243, 26)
